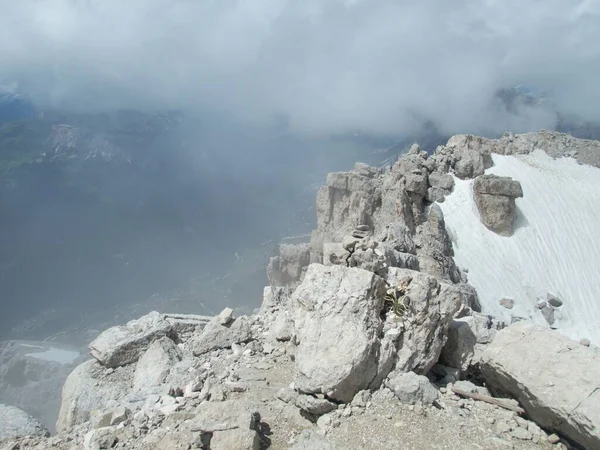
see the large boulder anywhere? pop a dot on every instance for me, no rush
(411, 388)
(15, 423)
(337, 317)
(430, 306)
(88, 388)
(154, 365)
(124, 344)
(218, 335)
(555, 379)
(495, 199)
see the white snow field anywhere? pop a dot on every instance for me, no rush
(555, 247)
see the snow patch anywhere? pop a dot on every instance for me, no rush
(555, 247)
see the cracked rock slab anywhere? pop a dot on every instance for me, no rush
(555, 379)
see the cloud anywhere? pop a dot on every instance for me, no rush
(323, 66)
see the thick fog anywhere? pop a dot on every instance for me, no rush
(316, 66)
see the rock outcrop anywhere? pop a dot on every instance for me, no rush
(495, 199)
(554, 378)
(122, 345)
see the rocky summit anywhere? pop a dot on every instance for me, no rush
(369, 336)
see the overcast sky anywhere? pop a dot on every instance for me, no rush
(325, 65)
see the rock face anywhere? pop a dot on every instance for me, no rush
(337, 314)
(155, 364)
(123, 345)
(88, 388)
(15, 423)
(554, 378)
(495, 199)
(430, 306)
(288, 268)
(411, 388)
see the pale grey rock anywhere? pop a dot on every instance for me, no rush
(467, 337)
(554, 378)
(154, 365)
(497, 213)
(282, 328)
(220, 416)
(88, 389)
(334, 253)
(15, 423)
(226, 316)
(184, 324)
(497, 185)
(435, 194)
(411, 388)
(336, 308)
(122, 345)
(100, 439)
(235, 439)
(441, 181)
(313, 405)
(468, 386)
(399, 237)
(216, 336)
(310, 440)
(495, 200)
(430, 309)
(416, 182)
(288, 268)
(434, 247)
(275, 298)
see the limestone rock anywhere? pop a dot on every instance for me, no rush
(434, 248)
(334, 253)
(235, 439)
(337, 320)
(554, 378)
(155, 364)
(466, 338)
(495, 200)
(275, 298)
(430, 307)
(496, 185)
(100, 439)
(87, 389)
(288, 268)
(123, 345)
(411, 388)
(442, 181)
(310, 440)
(220, 416)
(471, 154)
(216, 335)
(184, 324)
(15, 423)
